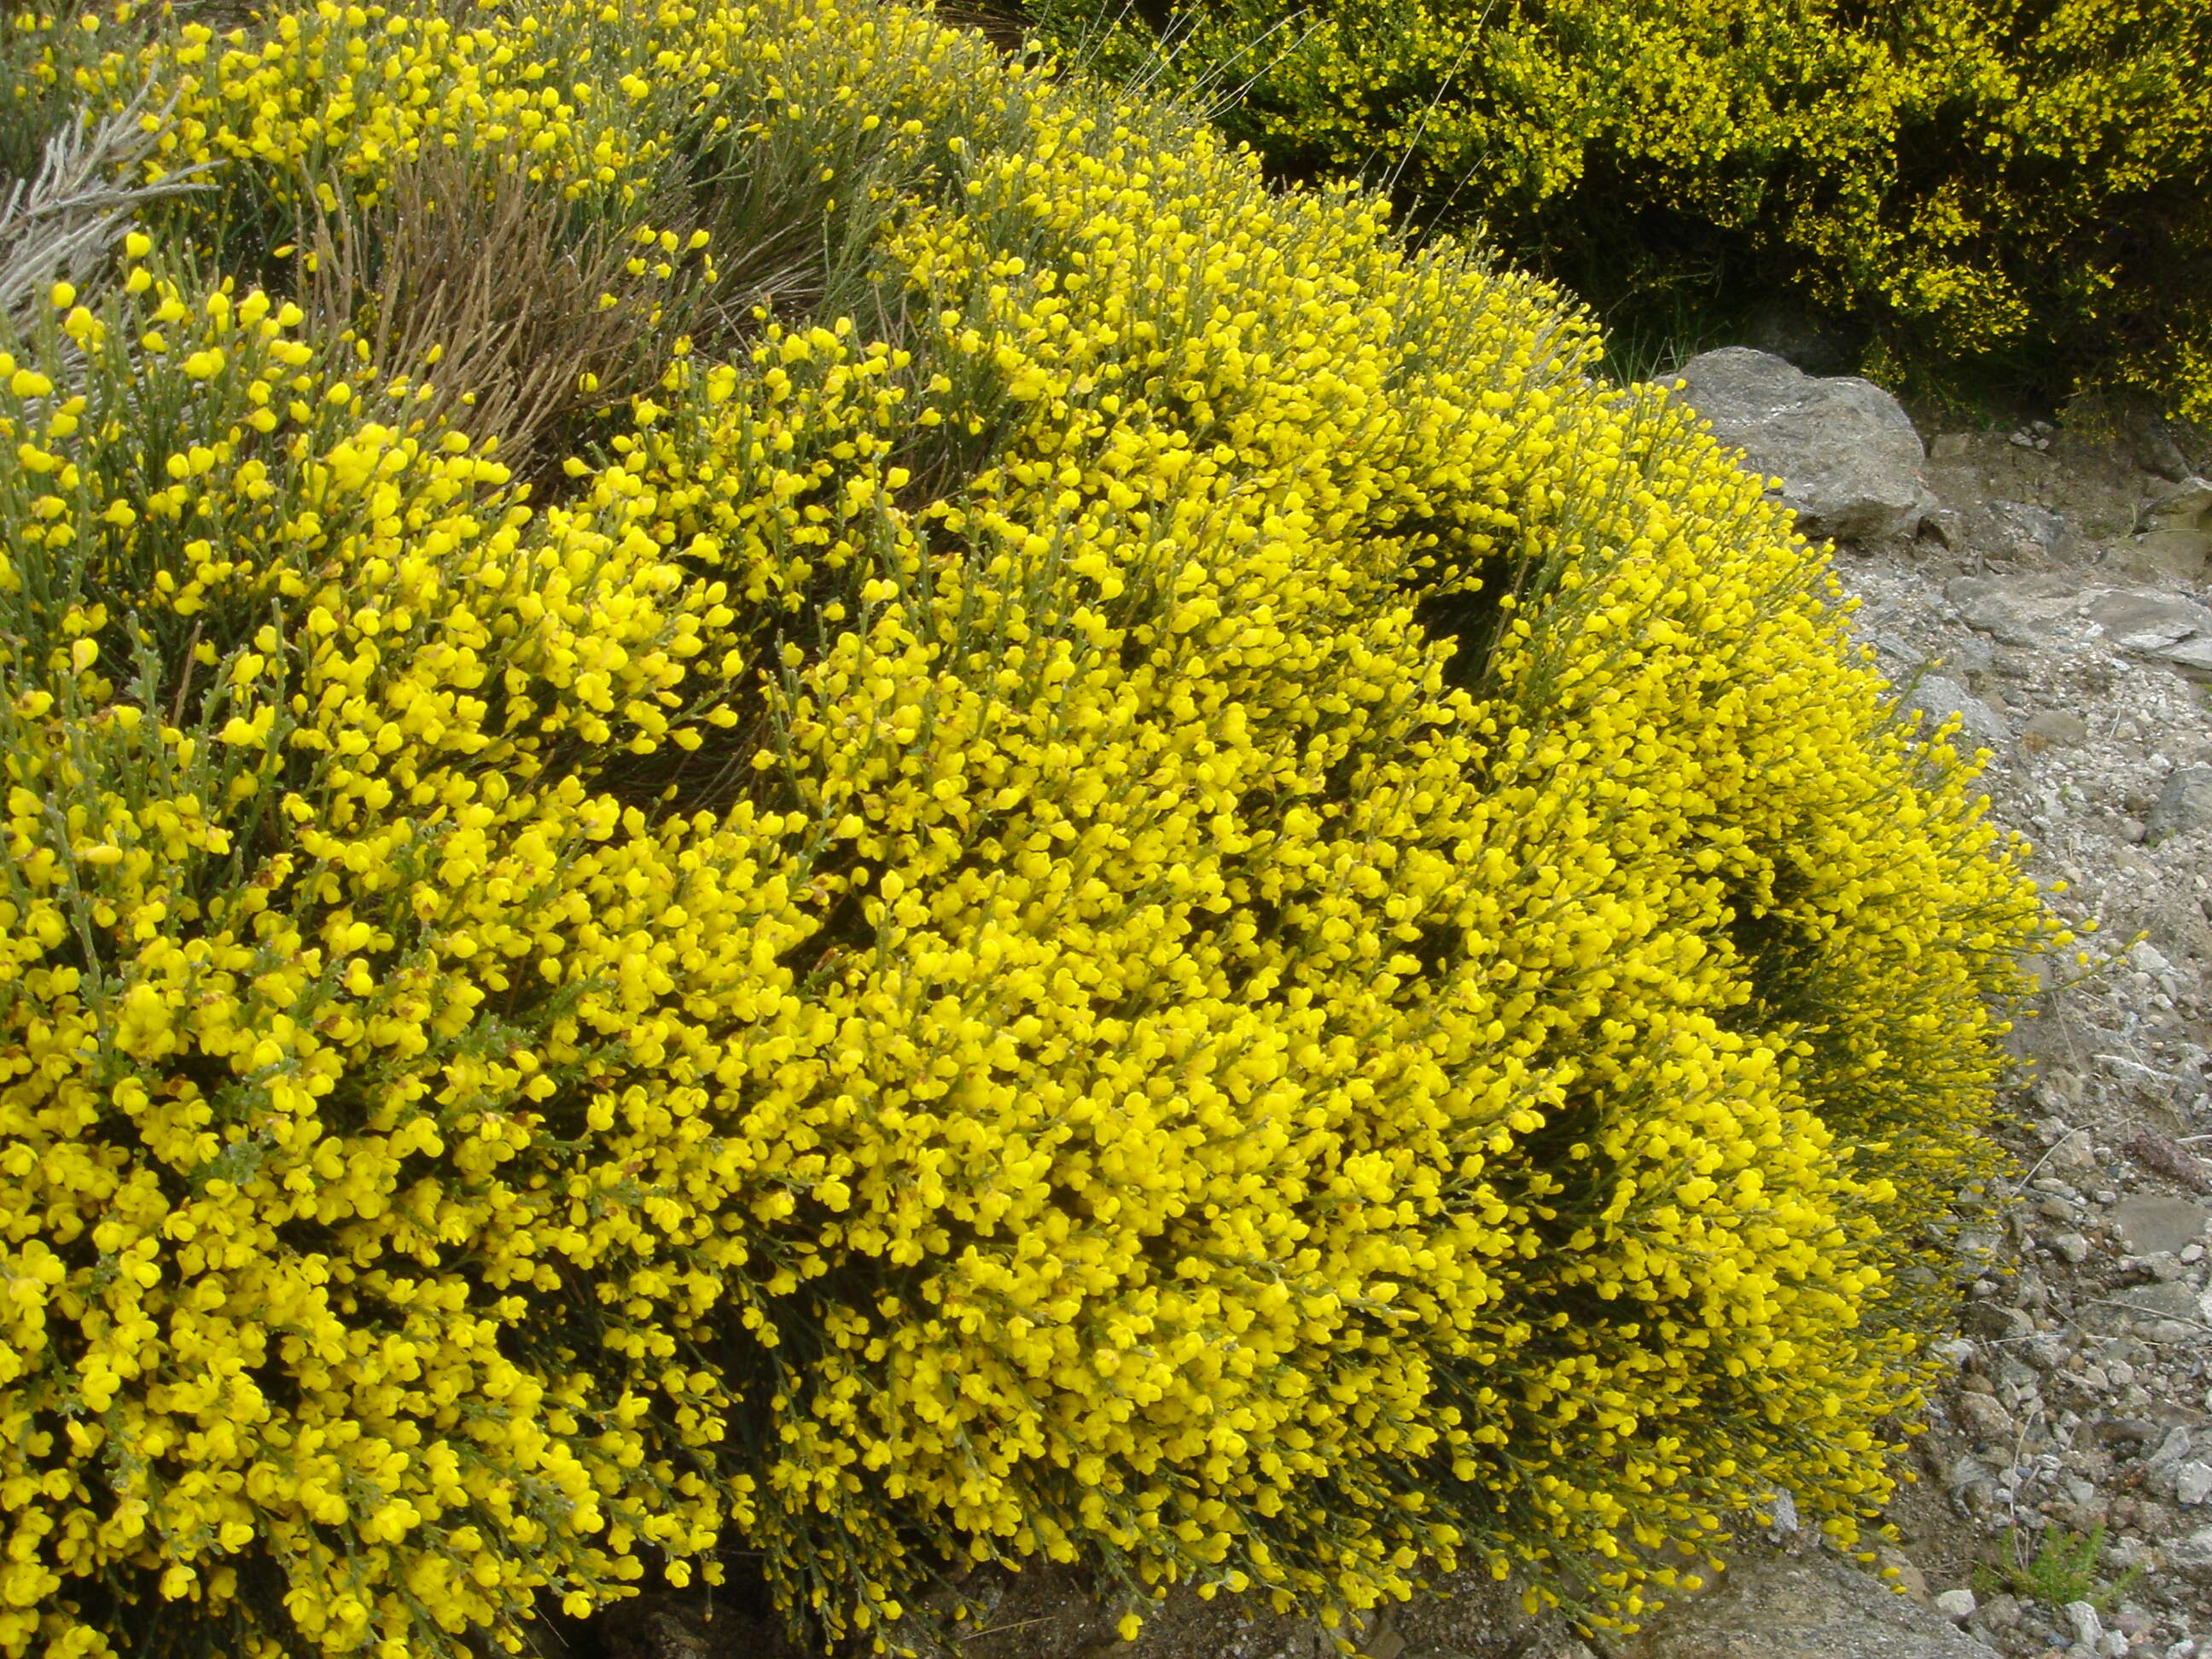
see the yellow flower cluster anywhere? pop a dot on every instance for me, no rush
(314, 973)
(1178, 905)
(1959, 177)
(318, 107)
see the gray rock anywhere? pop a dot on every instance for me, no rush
(1956, 1605)
(1964, 1472)
(2154, 452)
(2025, 531)
(2160, 626)
(2089, 1628)
(2187, 506)
(2075, 1150)
(2151, 1225)
(1811, 1607)
(2172, 1300)
(2152, 961)
(1993, 1323)
(2177, 555)
(2056, 728)
(2018, 610)
(2192, 1484)
(2179, 537)
(2192, 656)
(1985, 1419)
(2130, 614)
(1966, 657)
(2192, 1557)
(2183, 804)
(2073, 1247)
(1849, 460)
(1942, 698)
(1896, 654)
(2171, 1450)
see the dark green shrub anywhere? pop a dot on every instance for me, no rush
(1973, 188)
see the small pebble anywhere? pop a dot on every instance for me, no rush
(2072, 1246)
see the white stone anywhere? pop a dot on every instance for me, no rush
(1782, 1512)
(1956, 1604)
(2089, 1628)
(2192, 1483)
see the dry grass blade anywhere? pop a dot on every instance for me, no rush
(59, 225)
(475, 284)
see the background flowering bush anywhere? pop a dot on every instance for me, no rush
(1982, 192)
(1111, 873)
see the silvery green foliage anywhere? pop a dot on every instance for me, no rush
(59, 225)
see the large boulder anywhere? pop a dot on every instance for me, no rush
(1846, 452)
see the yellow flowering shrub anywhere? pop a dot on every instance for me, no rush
(2014, 188)
(1172, 902)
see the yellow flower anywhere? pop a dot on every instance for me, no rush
(893, 971)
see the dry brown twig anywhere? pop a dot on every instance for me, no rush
(466, 280)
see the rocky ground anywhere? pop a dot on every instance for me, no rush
(2050, 589)
(2054, 601)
